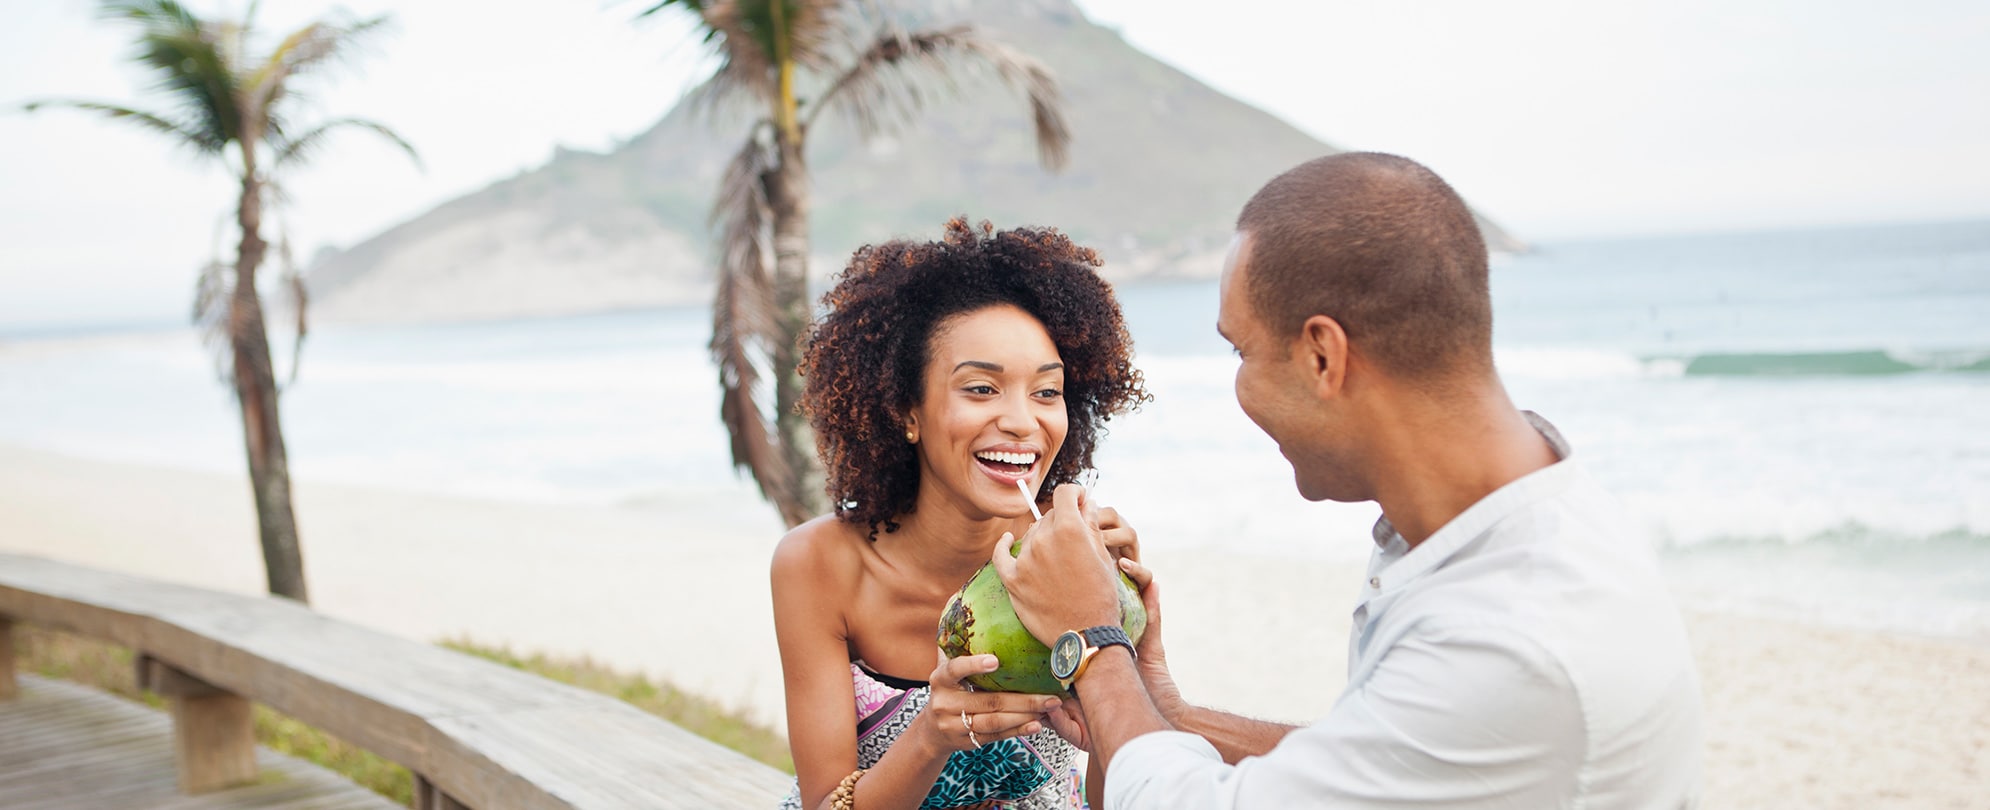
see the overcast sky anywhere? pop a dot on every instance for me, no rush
(1560, 118)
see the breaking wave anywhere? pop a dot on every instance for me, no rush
(1864, 362)
(1574, 364)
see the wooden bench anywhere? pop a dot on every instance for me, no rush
(475, 734)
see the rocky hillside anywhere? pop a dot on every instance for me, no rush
(1159, 166)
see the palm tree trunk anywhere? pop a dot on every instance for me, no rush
(788, 199)
(255, 391)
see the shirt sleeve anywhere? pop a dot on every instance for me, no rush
(1143, 766)
(1461, 716)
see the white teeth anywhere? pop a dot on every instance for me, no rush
(1024, 459)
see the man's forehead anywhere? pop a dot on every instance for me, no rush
(1235, 254)
(1227, 289)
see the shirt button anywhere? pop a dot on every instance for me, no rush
(1375, 582)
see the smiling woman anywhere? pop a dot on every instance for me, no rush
(944, 376)
(996, 417)
(866, 362)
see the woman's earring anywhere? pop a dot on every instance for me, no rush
(911, 436)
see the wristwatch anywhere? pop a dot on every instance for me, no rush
(1073, 650)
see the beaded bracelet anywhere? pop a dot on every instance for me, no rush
(844, 797)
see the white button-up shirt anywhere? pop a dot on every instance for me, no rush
(1526, 655)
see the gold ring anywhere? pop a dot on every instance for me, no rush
(968, 723)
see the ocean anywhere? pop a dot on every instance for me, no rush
(1799, 420)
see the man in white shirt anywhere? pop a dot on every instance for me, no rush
(1514, 645)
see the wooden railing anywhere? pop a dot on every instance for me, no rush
(475, 734)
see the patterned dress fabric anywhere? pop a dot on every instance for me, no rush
(1028, 773)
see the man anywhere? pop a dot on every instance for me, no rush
(1513, 645)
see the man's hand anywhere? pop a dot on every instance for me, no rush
(1063, 579)
(1068, 720)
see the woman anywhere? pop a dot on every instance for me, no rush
(942, 374)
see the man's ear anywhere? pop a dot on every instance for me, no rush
(1322, 347)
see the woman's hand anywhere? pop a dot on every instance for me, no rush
(960, 719)
(1151, 658)
(1122, 542)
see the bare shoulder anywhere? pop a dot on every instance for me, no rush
(825, 551)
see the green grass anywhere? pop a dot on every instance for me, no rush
(110, 667)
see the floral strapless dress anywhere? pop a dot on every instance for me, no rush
(1029, 773)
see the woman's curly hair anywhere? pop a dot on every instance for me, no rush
(864, 362)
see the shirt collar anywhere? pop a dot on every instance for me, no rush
(1394, 563)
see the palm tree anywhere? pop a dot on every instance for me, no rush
(226, 95)
(881, 80)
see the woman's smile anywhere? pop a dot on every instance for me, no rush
(1009, 463)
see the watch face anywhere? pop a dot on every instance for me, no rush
(1065, 654)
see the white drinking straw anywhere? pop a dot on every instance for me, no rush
(1029, 497)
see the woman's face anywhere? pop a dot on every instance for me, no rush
(993, 411)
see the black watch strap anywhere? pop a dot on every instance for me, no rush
(1106, 635)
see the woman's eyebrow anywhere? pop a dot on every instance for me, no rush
(997, 367)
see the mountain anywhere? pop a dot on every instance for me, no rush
(1159, 166)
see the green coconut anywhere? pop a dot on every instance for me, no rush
(980, 619)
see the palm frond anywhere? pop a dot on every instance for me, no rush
(315, 45)
(740, 213)
(212, 306)
(696, 7)
(300, 149)
(753, 444)
(749, 35)
(810, 28)
(298, 299)
(161, 13)
(888, 84)
(200, 140)
(290, 279)
(743, 324)
(212, 301)
(723, 94)
(188, 57)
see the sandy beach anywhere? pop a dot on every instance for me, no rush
(1797, 716)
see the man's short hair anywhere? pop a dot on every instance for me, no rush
(1383, 246)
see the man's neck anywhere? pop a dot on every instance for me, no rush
(1439, 456)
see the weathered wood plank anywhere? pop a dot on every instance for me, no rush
(8, 689)
(430, 797)
(90, 749)
(609, 755)
(484, 734)
(214, 735)
(214, 742)
(158, 676)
